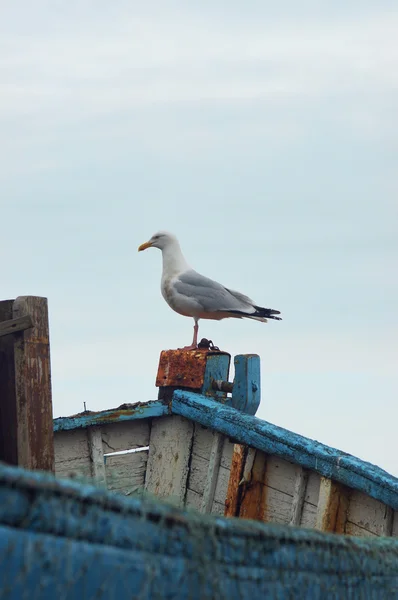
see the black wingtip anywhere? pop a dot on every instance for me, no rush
(267, 313)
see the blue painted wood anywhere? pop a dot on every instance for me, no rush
(217, 368)
(140, 410)
(277, 441)
(246, 393)
(59, 539)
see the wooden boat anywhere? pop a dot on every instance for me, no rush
(202, 453)
(313, 522)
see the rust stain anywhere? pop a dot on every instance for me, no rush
(334, 511)
(182, 368)
(254, 494)
(234, 489)
(342, 510)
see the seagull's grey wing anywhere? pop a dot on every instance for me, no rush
(209, 294)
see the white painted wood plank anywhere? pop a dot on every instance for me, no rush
(300, 486)
(395, 524)
(388, 526)
(328, 505)
(278, 506)
(126, 473)
(94, 437)
(220, 493)
(213, 469)
(281, 475)
(218, 509)
(125, 435)
(308, 517)
(72, 457)
(352, 529)
(369, 514)
(312, 489)
(193, 500)
(170, 446)
(202, 444)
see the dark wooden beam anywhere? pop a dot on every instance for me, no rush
(15, 325)
(26, 418)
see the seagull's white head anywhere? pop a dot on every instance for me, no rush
(161, 240)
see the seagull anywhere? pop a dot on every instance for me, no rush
(192, 295)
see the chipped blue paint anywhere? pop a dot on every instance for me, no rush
(62, 539)
(295, 448)
(140, 410)
(246, 392)
(217, 368)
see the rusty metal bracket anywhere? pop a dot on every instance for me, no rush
(205, 371)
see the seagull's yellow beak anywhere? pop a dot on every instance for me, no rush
(144, 246)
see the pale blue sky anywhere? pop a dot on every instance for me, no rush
(264, 136)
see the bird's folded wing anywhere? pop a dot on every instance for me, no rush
(211, 296)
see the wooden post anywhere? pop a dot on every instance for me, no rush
(26, 418)
(246, 389)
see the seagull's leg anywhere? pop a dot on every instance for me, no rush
(195, 333)
(194, 344)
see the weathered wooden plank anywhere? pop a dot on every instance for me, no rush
(388, 525)
(92, 544)
(125, 473)
(193, 500)
(198, 477)
(213, 470)
(310, 506)
(300, 486)
(126, 412)
(232, 500)
(254, 493)
(26, 414)
(332, 507)
(94, 437)
(278, 506)
(169, 456)
(246, 392)
(15, 325)
(274, 440)
(126, 435)
(281, 475)
(72, 455)
(357, 531)
(369, 514)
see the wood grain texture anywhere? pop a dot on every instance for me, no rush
(14, 325)
(94, 437)
(246, 392)
(125, 473)
(254, 492)
(232, 501)
(332, 506)
(274, 440)
(82, 542)
(169, 456)
(26, 387)
(212, 474)
(72, 455)
(369, 514)
(35, 436)
(300, 486)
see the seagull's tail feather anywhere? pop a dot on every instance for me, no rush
(260, 314)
